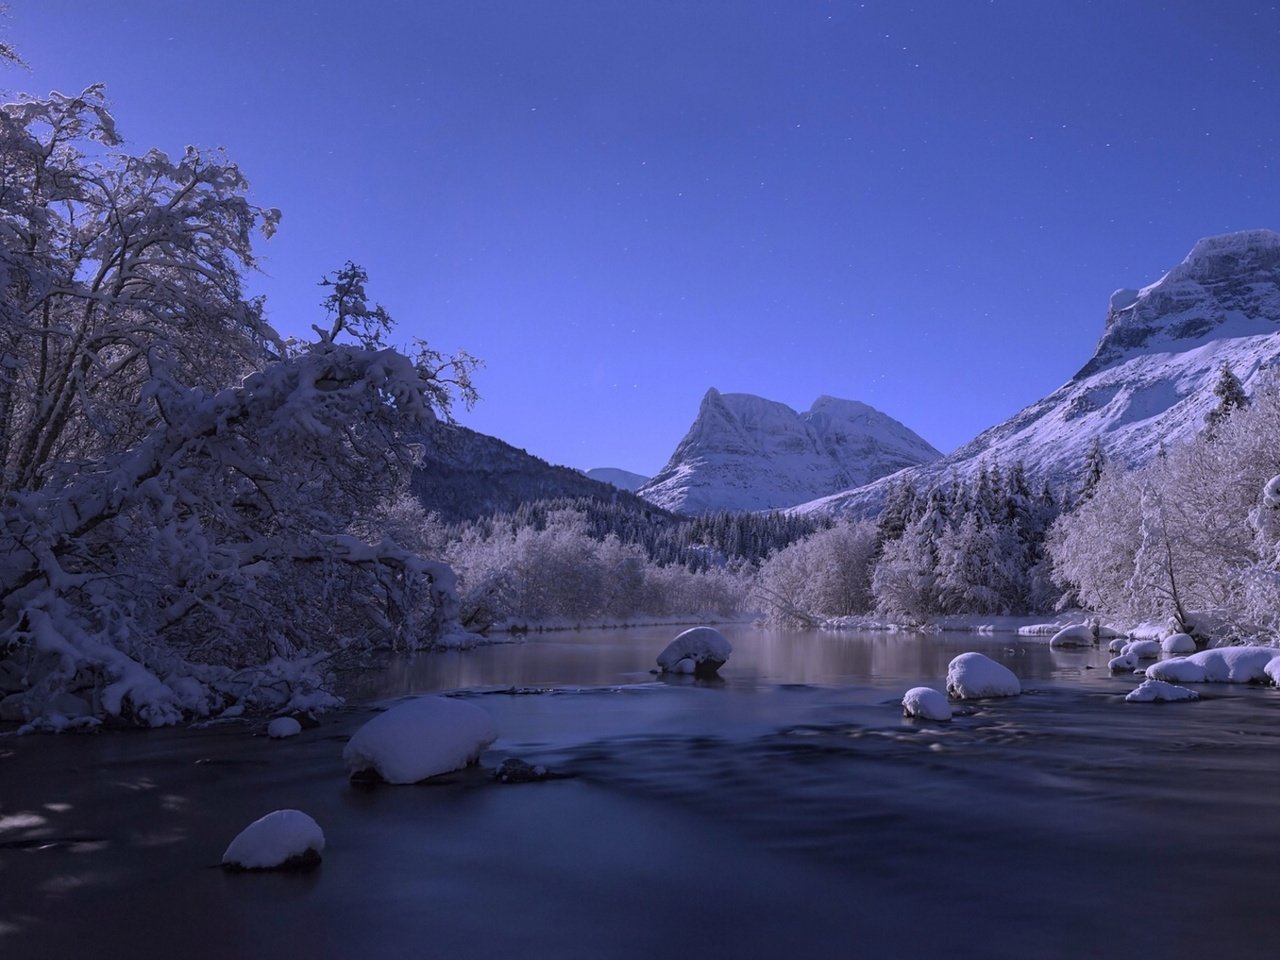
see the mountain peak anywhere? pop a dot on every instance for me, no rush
(1227, 286)
(745, 452)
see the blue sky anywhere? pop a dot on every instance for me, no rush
(616, 205)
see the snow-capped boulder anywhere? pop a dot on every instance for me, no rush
(418, 739)
(1126, 661)
(699, 650)
(1219, 665)
(1272, 669)
(1143, 649)
(1117, 645)
(1178, 644)
(925, 703)
(282, 840)
(1076, 635)
(1157, 691)
(1178, 670)
(972, 676)
(282, 727)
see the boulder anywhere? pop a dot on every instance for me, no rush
(701, 651)
(418, 739)
(282, 840)
(972, 676)
(925, 703)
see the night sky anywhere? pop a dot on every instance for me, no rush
(617, 205)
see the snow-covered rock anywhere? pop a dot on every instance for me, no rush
(1219, 665)
(1150, 381)
(282, 727)
(1142, 649)
(971, 676)
(699, 650)
(418, 739)
(747, 453)
(1117, 645)
(1178, 644)
(282, 840)
(1157, 691)
(1076, 635)
(1126, 661)
(925, 703)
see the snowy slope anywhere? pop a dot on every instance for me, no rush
(1150, 381)
(622, 479)
(747, 453)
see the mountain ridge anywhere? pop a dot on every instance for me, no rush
(1149, 381)
(746, 452)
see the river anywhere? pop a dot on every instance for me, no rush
(788, 809)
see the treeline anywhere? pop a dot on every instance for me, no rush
(971, 545)
(1192, 538)
(585, 559)
(1193, 535)
(696, 543)
(560, 567)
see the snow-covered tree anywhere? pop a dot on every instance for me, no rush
(1094, 463)
(179, 492)
(1230, 393)
(825, 575)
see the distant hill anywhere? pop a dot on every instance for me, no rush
(465, 474)
(622, 479)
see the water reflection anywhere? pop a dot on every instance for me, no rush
(760, 656)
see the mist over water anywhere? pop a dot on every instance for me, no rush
(788, 808)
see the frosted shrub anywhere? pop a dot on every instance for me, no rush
(827, 574)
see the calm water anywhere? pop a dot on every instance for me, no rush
(788, 809)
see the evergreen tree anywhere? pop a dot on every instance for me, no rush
(1230, 394)
(1094, 463)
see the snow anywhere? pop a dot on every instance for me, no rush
(1178, 644)
(282, 727)
(1077, 635)
(1157, 691)
(1143, 649)
(420, 738)
(1117, 645)
(1220, 665)
(1122, 299)
(972, 675)
(699, 650)
(744, 452)
(275, 840)
(1126, 661)
(925, 703)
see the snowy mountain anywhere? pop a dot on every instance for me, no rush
(465, 474)
(747, 453)
(622, 479)
(1150, 380)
